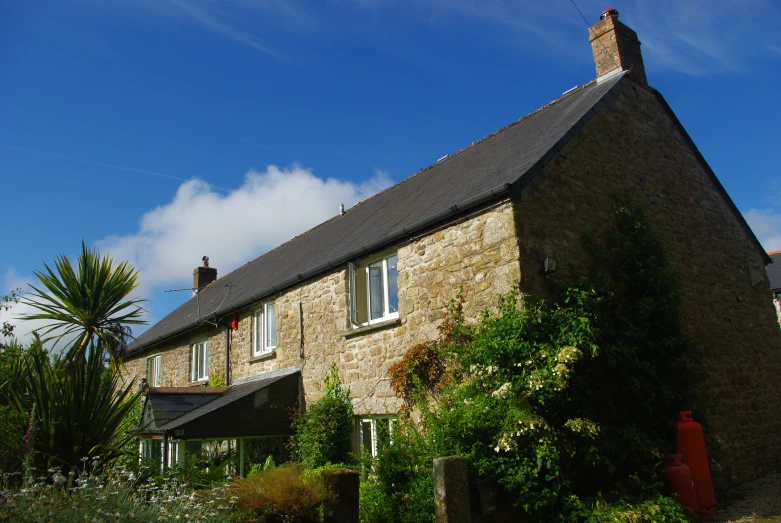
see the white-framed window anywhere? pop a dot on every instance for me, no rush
(151, 450)
(373, 432)
(200, 362)
(374, 290)
(264, 335)
(153, 371)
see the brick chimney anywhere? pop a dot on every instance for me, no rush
(615, 46)
(203, 275)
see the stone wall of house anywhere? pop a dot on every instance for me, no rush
(479, 253)
(632, 149)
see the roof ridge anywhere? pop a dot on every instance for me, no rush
(477, 142)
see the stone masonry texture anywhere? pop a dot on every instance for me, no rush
(479, 253)
(633, 150)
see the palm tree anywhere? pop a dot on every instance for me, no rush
(91, 302)
(79, 407)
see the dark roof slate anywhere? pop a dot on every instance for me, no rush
(235, 393)
(162, 407)
(497, 160)
(774, 271)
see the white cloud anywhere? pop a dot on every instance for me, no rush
(766, 224)
(232, 228)
(268, 209)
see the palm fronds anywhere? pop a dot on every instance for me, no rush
(89, 302)
(80, 406)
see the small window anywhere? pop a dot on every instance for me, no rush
(374, 433)
(374, 291)
(265, 329)
(200, 362)
(153, 371)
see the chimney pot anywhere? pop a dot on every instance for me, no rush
(611, 12)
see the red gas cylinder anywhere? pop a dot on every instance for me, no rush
(690, 442)
(678, 478)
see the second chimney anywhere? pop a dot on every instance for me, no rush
(203, 275)
(615, 46)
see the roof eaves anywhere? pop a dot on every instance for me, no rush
(399, 234)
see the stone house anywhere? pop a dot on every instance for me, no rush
(366, 285)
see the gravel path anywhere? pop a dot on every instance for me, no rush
(758, 502)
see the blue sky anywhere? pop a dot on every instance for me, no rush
(165, 130)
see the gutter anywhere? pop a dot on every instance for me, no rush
(400, 234)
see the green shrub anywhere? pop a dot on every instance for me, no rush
(322, 433)
(658, 509)
(399, 481)
(565, 400)
(286, 493)
(14, 423)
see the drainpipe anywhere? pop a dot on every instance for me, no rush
(227, 354)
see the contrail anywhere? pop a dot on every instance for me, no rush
(106, 165)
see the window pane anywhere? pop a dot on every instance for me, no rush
(157, 371)
(383, 431)
(366, 436)
(393, 284)
(360, 305)
(257, 334)
(205, 370)
(271, 326)
(376, 291)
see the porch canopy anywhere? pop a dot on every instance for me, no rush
(254, 407)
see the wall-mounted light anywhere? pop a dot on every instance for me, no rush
(549, 266)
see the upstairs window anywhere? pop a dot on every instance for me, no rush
(265, 329)
(374, 291)
(200, 362)
(153, 371)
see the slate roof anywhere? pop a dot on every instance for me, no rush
(163, 405)
(505, 160)
(484, 168)
(774, 271)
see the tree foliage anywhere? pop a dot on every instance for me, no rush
(72, 405)
(6, 301)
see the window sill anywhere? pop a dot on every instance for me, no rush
(263, 357)
(395, 322)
